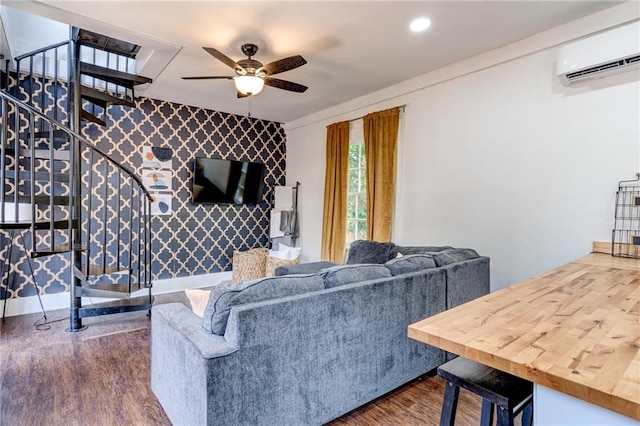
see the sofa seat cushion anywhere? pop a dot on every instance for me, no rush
(409, 250)
(365, 251)
(455, 255)
(303, 268)
(346, 274)
(226, 296)
(411, 263)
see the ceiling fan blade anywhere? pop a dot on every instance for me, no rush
(242, 95)
(208, 77)
(221, 57)
(286, 85)
(283, 65)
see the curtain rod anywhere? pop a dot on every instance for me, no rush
(402, 107)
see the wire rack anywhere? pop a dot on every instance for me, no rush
(625, 238)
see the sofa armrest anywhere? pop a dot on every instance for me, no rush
(177, 318)
(182, 356)
(467, 280)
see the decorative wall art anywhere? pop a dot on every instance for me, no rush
(157, 180)
(161, 204)
(160, 158)
(156, 177)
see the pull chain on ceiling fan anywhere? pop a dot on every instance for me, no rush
(252, 75)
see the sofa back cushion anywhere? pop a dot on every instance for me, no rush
(411, 263)
(365, 251)
(447, 257)
(346, 274)
(225, 296)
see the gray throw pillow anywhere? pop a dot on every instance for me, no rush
(411, 263)
(347, 274)
(225, 296)
(454, 255)
(365, 251)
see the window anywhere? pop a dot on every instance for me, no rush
(357, 189)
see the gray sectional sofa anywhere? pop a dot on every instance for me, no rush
(305, 349)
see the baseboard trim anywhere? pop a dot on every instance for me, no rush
(51, 302)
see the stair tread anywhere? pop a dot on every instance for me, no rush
(39, 176)
(108, 290)
(43, 225)
(43, 154)
(57, 134)
(57, 249)
(114, 76)
(108, 44)
(95, 270)
(87, 116)
(100, 97)
(58, 200)
(120, 288)
(141, 303)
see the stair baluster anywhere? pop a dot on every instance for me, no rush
(52, 146)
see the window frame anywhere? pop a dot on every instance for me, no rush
(358, 217)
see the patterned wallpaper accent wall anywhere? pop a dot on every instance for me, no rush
(196, 239)
(193, 239)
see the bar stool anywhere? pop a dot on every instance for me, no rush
(509, 393)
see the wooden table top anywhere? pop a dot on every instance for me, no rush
(575, 329)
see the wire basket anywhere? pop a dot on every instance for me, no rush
(625, 238)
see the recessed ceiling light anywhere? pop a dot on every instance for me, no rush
(420, 24)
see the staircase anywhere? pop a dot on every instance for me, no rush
(72, 198)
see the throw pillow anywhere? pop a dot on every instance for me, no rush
(275, 262)
(198, 299)
(226, 296)
(347, 274)
(365, 251)
(249, 265)
(410, 263)
(285, 252)
(447, 257)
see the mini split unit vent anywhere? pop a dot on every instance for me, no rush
(598, 56)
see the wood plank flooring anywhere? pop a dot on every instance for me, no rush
(101, 377)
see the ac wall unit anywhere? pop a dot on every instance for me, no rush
(598, 56)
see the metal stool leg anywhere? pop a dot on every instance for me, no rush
(449, 405)
(527, 414)
(505, 417)
(486, 417)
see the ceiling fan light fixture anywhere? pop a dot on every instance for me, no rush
(249, 84)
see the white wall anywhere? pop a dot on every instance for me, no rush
(496, 155)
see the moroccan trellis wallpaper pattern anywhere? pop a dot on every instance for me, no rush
(194, 239)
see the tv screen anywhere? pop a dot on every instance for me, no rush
(227, 181)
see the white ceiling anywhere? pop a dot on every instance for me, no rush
(352, 48)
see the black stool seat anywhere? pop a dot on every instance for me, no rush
(510, 394)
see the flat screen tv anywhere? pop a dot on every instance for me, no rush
(218, 181)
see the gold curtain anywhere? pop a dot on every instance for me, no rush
(334, 221)
(380, 146)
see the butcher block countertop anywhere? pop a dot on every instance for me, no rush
(574, 329)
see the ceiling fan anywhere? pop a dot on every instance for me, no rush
(251, 75)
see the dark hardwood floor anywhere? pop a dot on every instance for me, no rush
(101, 377)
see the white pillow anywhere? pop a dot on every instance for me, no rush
(285, 252)
(198, 300)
